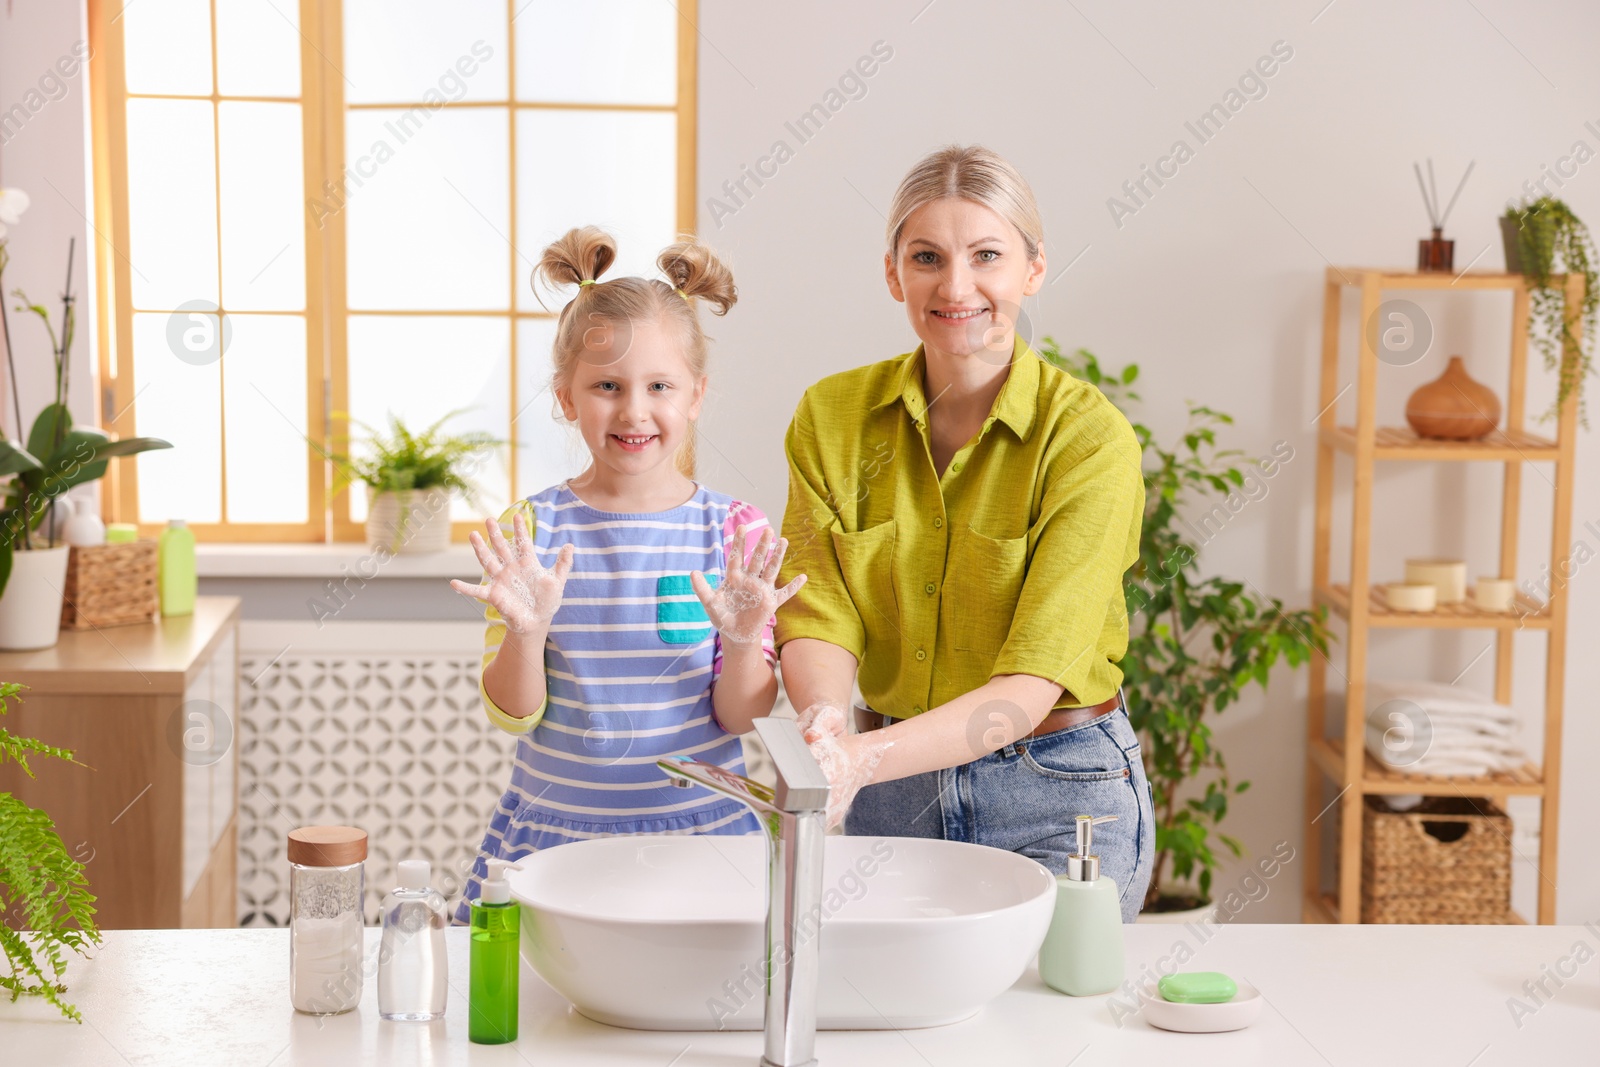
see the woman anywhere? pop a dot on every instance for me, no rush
(965, 513)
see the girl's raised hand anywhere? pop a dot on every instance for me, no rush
(525, 594)
(741, 604)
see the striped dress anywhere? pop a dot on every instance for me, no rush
(629, 666)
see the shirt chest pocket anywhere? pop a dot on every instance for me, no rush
(983, 581)
(680, 617)
(866, 560)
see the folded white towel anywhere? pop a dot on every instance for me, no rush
(1416, 752)
(1408, 715)
(1437, 697)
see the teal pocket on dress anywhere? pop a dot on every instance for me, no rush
(680, 617)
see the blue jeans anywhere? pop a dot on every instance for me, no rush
(1023, 798)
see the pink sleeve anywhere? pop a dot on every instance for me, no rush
(754, 520)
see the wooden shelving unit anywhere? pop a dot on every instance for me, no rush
(1344, 761)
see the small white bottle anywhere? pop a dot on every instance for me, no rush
(84, 529)
(411, 956)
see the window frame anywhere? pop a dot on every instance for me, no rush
(327, 313)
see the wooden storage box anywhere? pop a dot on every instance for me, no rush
(1447, 860)
(110, 585)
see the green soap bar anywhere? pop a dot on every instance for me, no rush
(1197, 987)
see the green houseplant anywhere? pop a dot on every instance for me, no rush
(58, 456)
(1538, 233)
(45, 904)
(410, 477)
(1194, 645)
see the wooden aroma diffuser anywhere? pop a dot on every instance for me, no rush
(1453, 407)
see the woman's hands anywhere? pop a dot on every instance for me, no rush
(524, 593)
(849, 760)
(745, 598)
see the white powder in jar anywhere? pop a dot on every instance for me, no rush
(325, 963)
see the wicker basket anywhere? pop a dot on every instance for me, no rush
(1446, 861)
(110, 585)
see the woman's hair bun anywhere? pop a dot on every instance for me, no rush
(579, 255)
(694, 269)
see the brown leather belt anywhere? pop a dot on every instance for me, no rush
(1058, 719)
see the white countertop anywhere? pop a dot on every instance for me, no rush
(1361, 996)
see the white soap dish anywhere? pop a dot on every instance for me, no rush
(1235, 1014)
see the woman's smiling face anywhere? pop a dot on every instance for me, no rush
(961, 270)
(632, 395)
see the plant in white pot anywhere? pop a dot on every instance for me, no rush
(57, 457)
(410, 477)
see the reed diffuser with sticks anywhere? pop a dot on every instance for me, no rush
(1437, 253)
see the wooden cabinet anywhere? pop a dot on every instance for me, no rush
(152, 711)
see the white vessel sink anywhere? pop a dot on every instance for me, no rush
(664, 932)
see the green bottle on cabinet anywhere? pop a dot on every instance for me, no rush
(492, 1001)
(176, 567)
(1082, 952)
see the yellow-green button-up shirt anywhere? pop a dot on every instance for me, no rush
(1010, 563)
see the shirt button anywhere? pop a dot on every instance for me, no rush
(921, 655)
(917, 710)
(956, 466)
(937, 522)
(929, 588)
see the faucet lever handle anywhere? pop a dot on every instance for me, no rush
(802, 786)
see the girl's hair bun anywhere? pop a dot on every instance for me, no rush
(579, 255)
(695, 270)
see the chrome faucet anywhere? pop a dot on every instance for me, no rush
(794, 818)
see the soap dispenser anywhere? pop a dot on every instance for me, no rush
(1082, 951)
(492, 1002)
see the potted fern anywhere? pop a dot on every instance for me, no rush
(410, 477)
(58, 456)
(1194, 645)
(45, 904)
(1535, 235)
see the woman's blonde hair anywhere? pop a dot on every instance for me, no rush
(973, 173)
(581, 255)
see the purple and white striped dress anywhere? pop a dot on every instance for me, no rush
(629, 667)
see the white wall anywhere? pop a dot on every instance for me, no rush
(1214, 287)
(44, 152)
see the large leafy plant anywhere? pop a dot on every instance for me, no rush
(1194, 645)
(45, 904)
(58, 455)
(1547, 231)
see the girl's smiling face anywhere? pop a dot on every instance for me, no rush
(632, 395)
(961, 270)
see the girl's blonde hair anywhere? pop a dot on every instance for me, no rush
(967, 173)
(581, 255)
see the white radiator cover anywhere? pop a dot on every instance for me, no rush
(369, 724)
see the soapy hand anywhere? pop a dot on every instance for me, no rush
(745, 599)
(525, 594)
(848, 760)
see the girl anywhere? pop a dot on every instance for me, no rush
(627, 618)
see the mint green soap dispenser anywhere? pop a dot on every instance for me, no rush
(1082, 952)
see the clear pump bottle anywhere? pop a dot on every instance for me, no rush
(411, 958)
(1082, 952)
(492, 1001)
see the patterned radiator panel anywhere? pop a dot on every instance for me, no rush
(376, 725)
(393, 741)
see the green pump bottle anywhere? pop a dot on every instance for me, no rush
(492, 1001)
